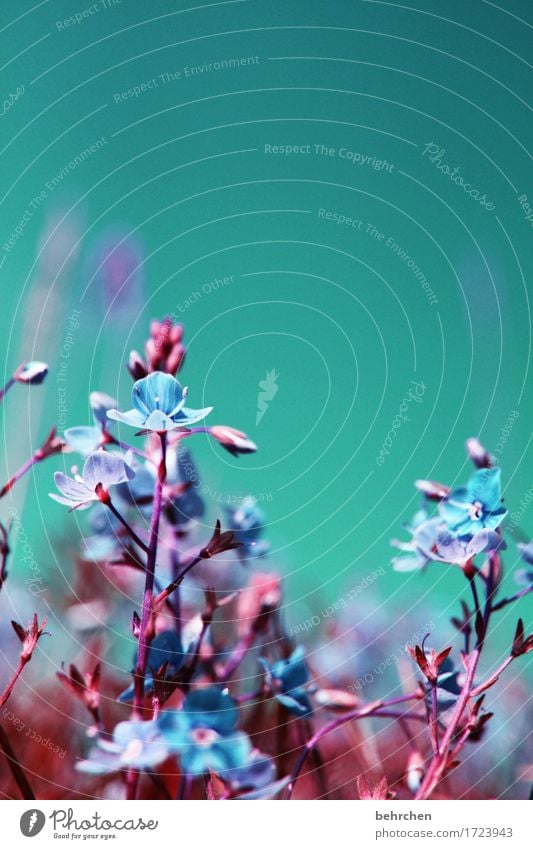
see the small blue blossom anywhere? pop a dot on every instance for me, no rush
(419, 550)
(203, 733)
(256, 778)
(287, 679)
(165, 648)
(432, 541)
(452, 549)
(159, 405)
(478, 505)
(100, 471)
(247, 523)
(86, 439)
(135, 745)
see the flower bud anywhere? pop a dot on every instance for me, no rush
(136, 366)
(478, 453)
(234, 441)
(32, 373)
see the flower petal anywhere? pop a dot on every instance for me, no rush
(105, 468)
(133, 417)
(100, 404)
(158, 391)
(187, 417)
(82, 439)
(73, 490)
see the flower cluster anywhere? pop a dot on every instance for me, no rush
(216, 699)
(468, 522)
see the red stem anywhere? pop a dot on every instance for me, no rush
(9, 689)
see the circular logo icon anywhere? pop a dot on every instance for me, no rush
(32, 822)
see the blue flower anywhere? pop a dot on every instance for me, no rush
(452, 549)
(419, 550)
(203, 733)
(165, 648)
(247, 523)
(86, 439)
(255, 779)
(478, 505)
(448, 687)
(432, 541)
(137, 745)
(100, 471)
(287, 679)
(159, 405)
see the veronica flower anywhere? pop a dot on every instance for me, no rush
(86, 439)
(478, 505)
(432, 541)
(257, 776)
(159, 405)
(286, 678)
(452, 549)
(100, 471)
(247, 523)
(420, 549)
(203, 733)
(135, 745)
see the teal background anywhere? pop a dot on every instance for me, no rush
(183, 177)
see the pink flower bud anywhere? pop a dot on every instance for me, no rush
(234, 441)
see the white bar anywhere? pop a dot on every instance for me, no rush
(306, 825)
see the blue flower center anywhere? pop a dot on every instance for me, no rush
(204, 737)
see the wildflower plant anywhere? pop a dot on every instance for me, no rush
(179, 721)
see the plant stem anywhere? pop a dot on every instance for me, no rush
(185, 787)
(35, 458)
(164, 594)
(109, 438)
(16, 770)
(493, 678)
(136, 539)
(372, 709)
(241, 650)
(3, 392)
(434, 717)
(146, 626)
(8, 690)
(516, 597)
(439, 762)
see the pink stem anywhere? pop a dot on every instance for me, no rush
(361, 713)
(35, 458)
(3, 392)
(145, 636)
(439, 762)
(9, 689)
